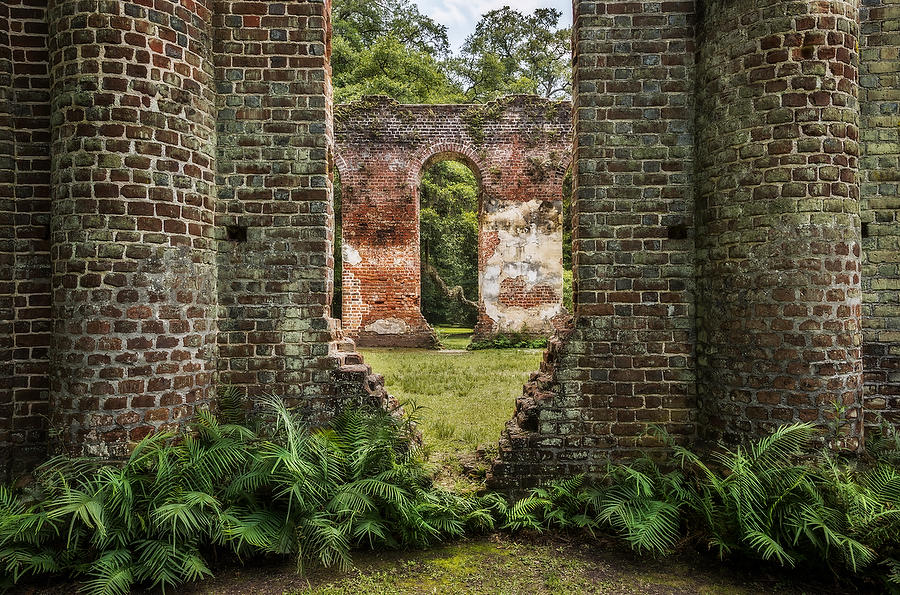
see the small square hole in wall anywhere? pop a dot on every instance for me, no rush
(678, 232)
(236, 233)
(865, 230)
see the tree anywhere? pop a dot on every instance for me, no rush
(362, 22)
(511, 52)
(449, 230)
(386, 38)
(391, 67)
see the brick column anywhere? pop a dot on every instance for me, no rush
(778, 216)
(628, 363)
(133, 252)
(275, 213)
(879, 80)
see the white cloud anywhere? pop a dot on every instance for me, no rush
(460, 16)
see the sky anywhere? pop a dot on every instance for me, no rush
(460, 16)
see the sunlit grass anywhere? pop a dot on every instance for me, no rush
(466, 398)
(454, 337)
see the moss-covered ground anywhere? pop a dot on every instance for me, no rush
(506, 565)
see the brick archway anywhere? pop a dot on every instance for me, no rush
(518, 147)
(445, 151)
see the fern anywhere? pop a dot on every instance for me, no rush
(269, 484)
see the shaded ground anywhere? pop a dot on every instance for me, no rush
(500, 564)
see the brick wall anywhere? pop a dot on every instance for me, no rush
(26, 268)
(778, 216)
(518, 148)
(275, 217)
(135, 100)
(188, 147)
(628, 362)
(7, 238)
(133, 251)
(879, 82)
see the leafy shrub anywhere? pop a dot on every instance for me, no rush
(277, 488)
(771, 500)
(509, 341)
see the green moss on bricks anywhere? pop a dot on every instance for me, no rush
(478, 115)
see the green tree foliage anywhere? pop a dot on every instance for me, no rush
(390, 67)
(388, 47)
(449, 239)
(512, 52)
(361, 22)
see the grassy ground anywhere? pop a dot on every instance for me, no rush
(465, 398)
(502, 564)
(454, 337)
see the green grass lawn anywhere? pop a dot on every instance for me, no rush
(466, 398)
(454, 337)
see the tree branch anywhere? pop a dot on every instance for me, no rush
(456, 293)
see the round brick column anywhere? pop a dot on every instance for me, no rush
(134, 280)
(778, 245)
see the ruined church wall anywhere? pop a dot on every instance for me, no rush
(519, 149)
(7, 234)
(25, 267)
(766, 220)
(274, 213)
(192, 218)
(188, 150)
(628, 361)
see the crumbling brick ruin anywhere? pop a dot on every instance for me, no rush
(726, 152)
(166, 223)
(166, 217)
(519, 149)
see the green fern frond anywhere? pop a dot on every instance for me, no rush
(767, 548)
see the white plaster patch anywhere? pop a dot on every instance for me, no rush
(388, 326)
(350, 254)
(527, 251)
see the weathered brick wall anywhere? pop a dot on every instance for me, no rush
(879, 82)
(518, 147)
(133, 110)
(26, 266)
(275, 216)
(188, 149)
(778, 247)
(135, 99)
(7, 238)
(628, 362)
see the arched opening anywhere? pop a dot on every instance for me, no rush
(449, 203)
(465, 396)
